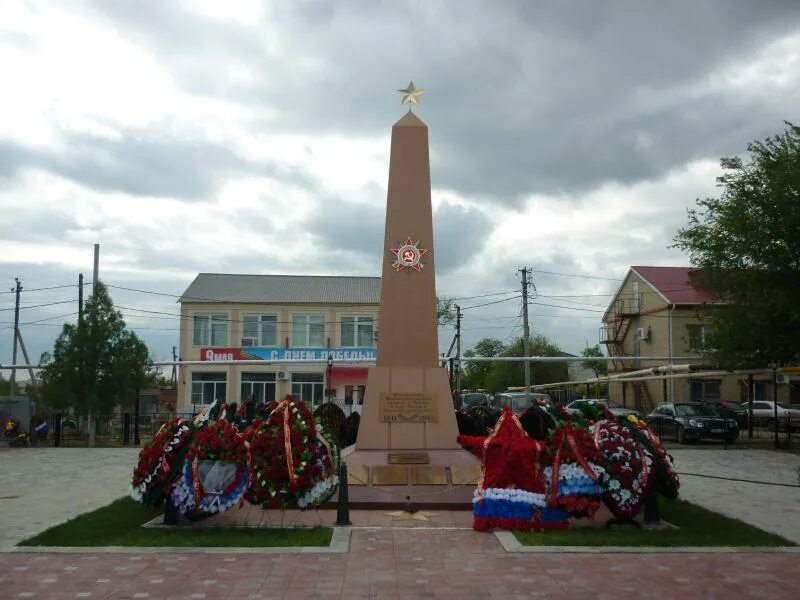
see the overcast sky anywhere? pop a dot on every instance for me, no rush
(253, 137)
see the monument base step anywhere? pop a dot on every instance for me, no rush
(442, 479)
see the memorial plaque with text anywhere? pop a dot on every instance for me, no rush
(408, 407)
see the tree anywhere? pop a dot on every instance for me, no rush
(476, 373)
(746, 248)
(445, 310)
(512, 373)
(599, 367)
(96, 364)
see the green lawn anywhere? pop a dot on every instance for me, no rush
(119, 524)
(696, 527)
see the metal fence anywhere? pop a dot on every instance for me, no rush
(117, 429)
(120, 429)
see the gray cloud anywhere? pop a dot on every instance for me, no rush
(143, 163)
(522, 97)
(459, 234)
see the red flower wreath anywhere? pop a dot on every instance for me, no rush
(509, 458)
(287, 459)
(572, 444)
(214, 448)
(161, 461)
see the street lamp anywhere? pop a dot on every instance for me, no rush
(774, 367)
(330, 369)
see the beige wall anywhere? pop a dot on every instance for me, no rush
(668, 337)
(235, 313)
(663, 320)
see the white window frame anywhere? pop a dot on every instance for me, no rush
(259, 340)
(310, 392)
(222, 381)
(702, 332)
(246, 387)
(212, 319)
(306, 340)
(357, 322)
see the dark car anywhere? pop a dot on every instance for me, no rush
(734, 410)
(519, 401)
(691, 421)
(473, 399)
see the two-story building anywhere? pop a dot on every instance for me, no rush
(657, 311)
(282, 320)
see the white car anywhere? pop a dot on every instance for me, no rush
(764, 412)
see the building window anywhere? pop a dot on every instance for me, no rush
(210, 330)
(348, 395)
(697, 337)
(308, 331)
(258, 387)
(260, 330)
(307, 387)
(357, 332)
(207, 387)
(701, 390)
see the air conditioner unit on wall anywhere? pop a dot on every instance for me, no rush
(283, 375)
(643, 333)
(783, 378)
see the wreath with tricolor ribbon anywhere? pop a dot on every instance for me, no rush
(216, 471)
(573, 475)
(160, 462)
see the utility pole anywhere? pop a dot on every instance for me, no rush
(80, 296)
(96, 271)
(95, 276)
(526, 332)
(13, 382)
(458, 348)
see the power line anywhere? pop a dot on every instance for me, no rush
(536, 303)
(72, 314)
(576, 275)
(488, 303)
(172, 316)
(603, 306)
(40, 305)
(141, 291)
(487, 295)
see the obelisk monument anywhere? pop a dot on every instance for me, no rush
(408, 403)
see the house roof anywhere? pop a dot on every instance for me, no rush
(282, 289)
(674, 283)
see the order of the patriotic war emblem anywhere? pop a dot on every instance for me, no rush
(408, 255)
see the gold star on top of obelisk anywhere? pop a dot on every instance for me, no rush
(411, 94)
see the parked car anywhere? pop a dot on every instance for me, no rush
(764, 413)
(473, 399)
(735, 410)
(519, 401)
(691, 421)
(617, 411)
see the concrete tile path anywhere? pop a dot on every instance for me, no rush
(401, 564)
(772, 508)
(43, 486)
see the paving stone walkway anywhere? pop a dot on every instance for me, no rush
(401, 564)
(44, 486)
(40, 487)
(770, 507)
